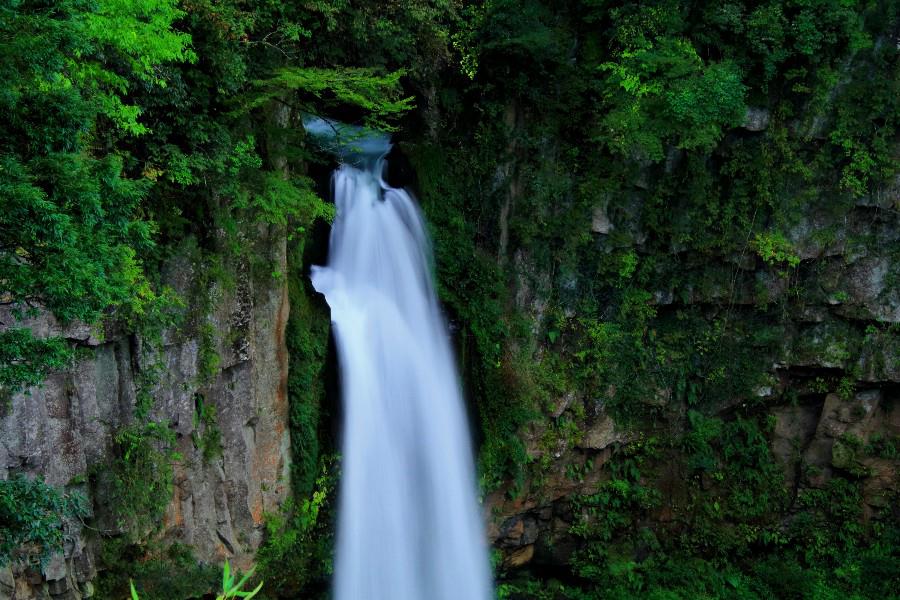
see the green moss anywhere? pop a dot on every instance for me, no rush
(470, 284)
(832, 344)
(307, 344)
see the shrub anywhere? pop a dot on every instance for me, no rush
(32, 519)
(230, 589)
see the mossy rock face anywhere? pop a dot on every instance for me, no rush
(832, 344)
(155, 429)
(880, 357)
(666, 237)
(742, 284)
(307, 344)
(843, 455)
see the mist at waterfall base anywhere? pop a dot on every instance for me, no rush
(409, 525)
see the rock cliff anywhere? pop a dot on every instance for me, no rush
(828, 383)
(219, 381)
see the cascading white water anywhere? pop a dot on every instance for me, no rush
(409, 525)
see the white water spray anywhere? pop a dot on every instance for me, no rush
(409, 525)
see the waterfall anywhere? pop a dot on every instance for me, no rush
(409, 525)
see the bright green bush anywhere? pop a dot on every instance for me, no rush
(32, 519)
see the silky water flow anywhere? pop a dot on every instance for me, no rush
(409, 525)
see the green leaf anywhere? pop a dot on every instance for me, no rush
(379, 95)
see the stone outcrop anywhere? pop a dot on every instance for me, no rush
(63, 430)
(845, 330)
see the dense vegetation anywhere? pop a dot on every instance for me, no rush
(31, 513)
(648, 112)
(596, 175)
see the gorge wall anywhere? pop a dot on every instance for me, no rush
(219, 382)
(666, 240)
(681, 352)
(826, 384)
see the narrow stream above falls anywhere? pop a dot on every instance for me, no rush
(409, 525)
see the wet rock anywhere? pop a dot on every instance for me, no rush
(674, 155)
(756, 119)
(533, 288)
(663, 297)
(795, 426)
(828, 345)
(519, 556)
(866, 283)
(841, 416)
(557, 545)
(809, 240)
(881, 486)
(562, 404)
(55, 569)
(7, 583)
(601, 434)
(813, 314)
(660, 397)
(58, 587)
(87, 589)
(878, 360)
(518, 531)
(884, 197)
(600, 222)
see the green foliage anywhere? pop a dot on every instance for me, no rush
(24, 359)
(157, 571)
(636, 108)
(72, 226)
(279, 201)
(69, 235)
(137, 36)
(33, 519)
(728, 539)
(738, 490)
(775, 249)
(884, 446)
(612, 350)
(142, 32)
(831, 527)
(140, 478)
(296, 556)
(662, 92)
(615, 509)
(681, 357)
(379, 96)
(208, 358)
(230, 589)
(206, 435)
(307, 344)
